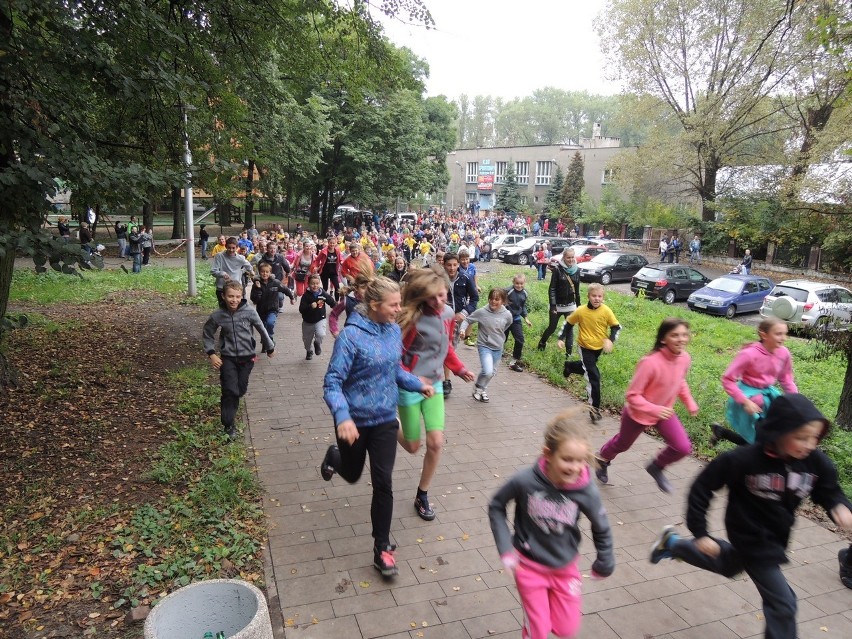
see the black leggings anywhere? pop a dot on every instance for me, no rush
(325, 279)
(551, 327)
(380, 443)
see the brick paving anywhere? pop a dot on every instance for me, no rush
(451, 585)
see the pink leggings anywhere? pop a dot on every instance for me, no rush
(551, 599)
(670, 429)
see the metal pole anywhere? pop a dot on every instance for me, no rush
(190, 228)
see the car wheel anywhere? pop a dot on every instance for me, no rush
(730, 311)
(784, 307)
(669, 296)
(523, 260)
(606, 278)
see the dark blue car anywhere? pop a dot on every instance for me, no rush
(731, 294)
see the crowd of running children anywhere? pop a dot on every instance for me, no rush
(390, 371)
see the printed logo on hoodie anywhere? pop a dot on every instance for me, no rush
(550, 515)
(772, 486)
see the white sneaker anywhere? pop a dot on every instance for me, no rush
(480, 395)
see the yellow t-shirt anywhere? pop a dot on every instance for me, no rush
(425, 248)
(594, 325)
(217, 249)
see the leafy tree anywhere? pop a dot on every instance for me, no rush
(572, 189)
(552, 203)
(715, 66)
(509, 197)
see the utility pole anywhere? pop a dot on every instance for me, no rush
(187, 204)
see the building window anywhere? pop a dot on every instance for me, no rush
(608, 176)
(522, 169)
(524, 198)
(542, 173)
(472, 172)
(471, 197)
(500, 174)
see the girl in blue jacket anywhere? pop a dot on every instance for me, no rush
(360, 389)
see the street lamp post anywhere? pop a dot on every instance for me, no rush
(187, 189)
(461, 179)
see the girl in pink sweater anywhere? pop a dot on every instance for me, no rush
(750, 381)
(659, 380)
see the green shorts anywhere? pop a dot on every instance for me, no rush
(412, 405)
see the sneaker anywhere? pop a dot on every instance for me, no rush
(448, 388)
(657, 473)
(330, 462)
(662, 546)
(595, 415)
(541, 345)
(718, 433)
(602, 471)
(317, 348)
(480, 395)
(470, 342)
(516, 367)
(231, 432)
(309, 355)
(845, 568)
(424, 508)
(384, 561)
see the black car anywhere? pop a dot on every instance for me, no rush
(611, 267)
(522, 252)
(668, 282)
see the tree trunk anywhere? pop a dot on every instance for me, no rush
(7, 265)
(177, 215)
(248, 219)
(148, 214)
(708, 192)
(844, 406)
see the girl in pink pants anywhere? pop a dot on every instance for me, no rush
(549, 498)
(659, 380)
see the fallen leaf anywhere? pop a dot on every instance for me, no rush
(364, 584)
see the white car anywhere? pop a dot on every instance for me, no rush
(805, 304)
(501, 241)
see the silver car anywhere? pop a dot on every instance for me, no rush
(805, 304)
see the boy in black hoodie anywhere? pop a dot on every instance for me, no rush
(766, 482)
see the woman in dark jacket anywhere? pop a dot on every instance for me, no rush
(564, 297)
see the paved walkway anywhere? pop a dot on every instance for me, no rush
(451, 585)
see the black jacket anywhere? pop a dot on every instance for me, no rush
(265, 296)
(564, 289)
(310, 314)
(764, 490)
(463, 294)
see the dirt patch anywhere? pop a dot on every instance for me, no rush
(91, 406)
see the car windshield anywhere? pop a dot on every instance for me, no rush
(651, 273)
(528, 242)
(726, 285)
(604, 259)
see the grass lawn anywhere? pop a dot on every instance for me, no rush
(714, 343)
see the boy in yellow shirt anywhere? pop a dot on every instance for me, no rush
(598, 330)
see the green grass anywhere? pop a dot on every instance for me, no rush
(96, 285)
(714, 343)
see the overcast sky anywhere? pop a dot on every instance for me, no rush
(508, 48)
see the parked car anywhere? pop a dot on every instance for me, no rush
(522, 252)
(668, 282)
(611, 267)
(498, 241)
(611, 245)
(805, 304)
(585, 252)
(730, 294)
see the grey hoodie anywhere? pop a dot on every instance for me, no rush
(547, 518)
(235, 332)
(492, 326)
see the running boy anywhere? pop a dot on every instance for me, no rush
(236, 349)
(265, 292)
(595, 319)
(312, 308)
(516, 302)
(766, 482)
(543, 553)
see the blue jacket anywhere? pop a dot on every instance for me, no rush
(463, 294)
(364, 372)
